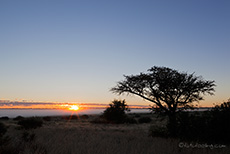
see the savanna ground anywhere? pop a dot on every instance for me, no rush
(85, 135)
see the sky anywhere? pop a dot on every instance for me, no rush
(77, 50)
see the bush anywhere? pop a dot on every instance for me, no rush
(219, 123)
(115, 113)
(208, 126)
(193, 127)
(31, 123)
(144, 120)
(211, 126)
(18, 118)
(4, 118)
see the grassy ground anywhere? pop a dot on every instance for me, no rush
(60, 135)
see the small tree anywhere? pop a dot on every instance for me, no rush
(116, 111)
(170, 90)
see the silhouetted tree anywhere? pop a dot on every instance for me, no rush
(169, 90)
(224, 108)
(116, 111)
(219, 124)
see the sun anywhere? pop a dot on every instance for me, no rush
(74, 107)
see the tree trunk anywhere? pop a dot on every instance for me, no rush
(172, 125)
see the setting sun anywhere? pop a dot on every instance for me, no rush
(74, 107)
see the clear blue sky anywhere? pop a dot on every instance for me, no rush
(76, 50)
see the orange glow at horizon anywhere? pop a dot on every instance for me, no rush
(61, 106)
(74, 107)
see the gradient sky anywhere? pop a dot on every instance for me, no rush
(76, 50)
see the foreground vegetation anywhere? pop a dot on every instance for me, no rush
(86, 135)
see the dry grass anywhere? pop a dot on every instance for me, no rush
(59, 136)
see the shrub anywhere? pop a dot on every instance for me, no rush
(211, 126)
(31, 123)
(18, 118)
(191, 126)
(4, 118)
(219, 123)
(144, 120)
(208, 126)
(115, 113)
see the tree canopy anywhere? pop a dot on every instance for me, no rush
(169, 89)
(116, 111)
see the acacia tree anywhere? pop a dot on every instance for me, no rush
(170, 90)
(116, 111)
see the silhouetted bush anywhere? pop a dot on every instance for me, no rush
(191, 126)
(115, 113)
(31, 123)
(18, 118)
(210, 126)
(207, 126)
(4, 118)
(187, 126)
(220, 122)
(144, 120)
